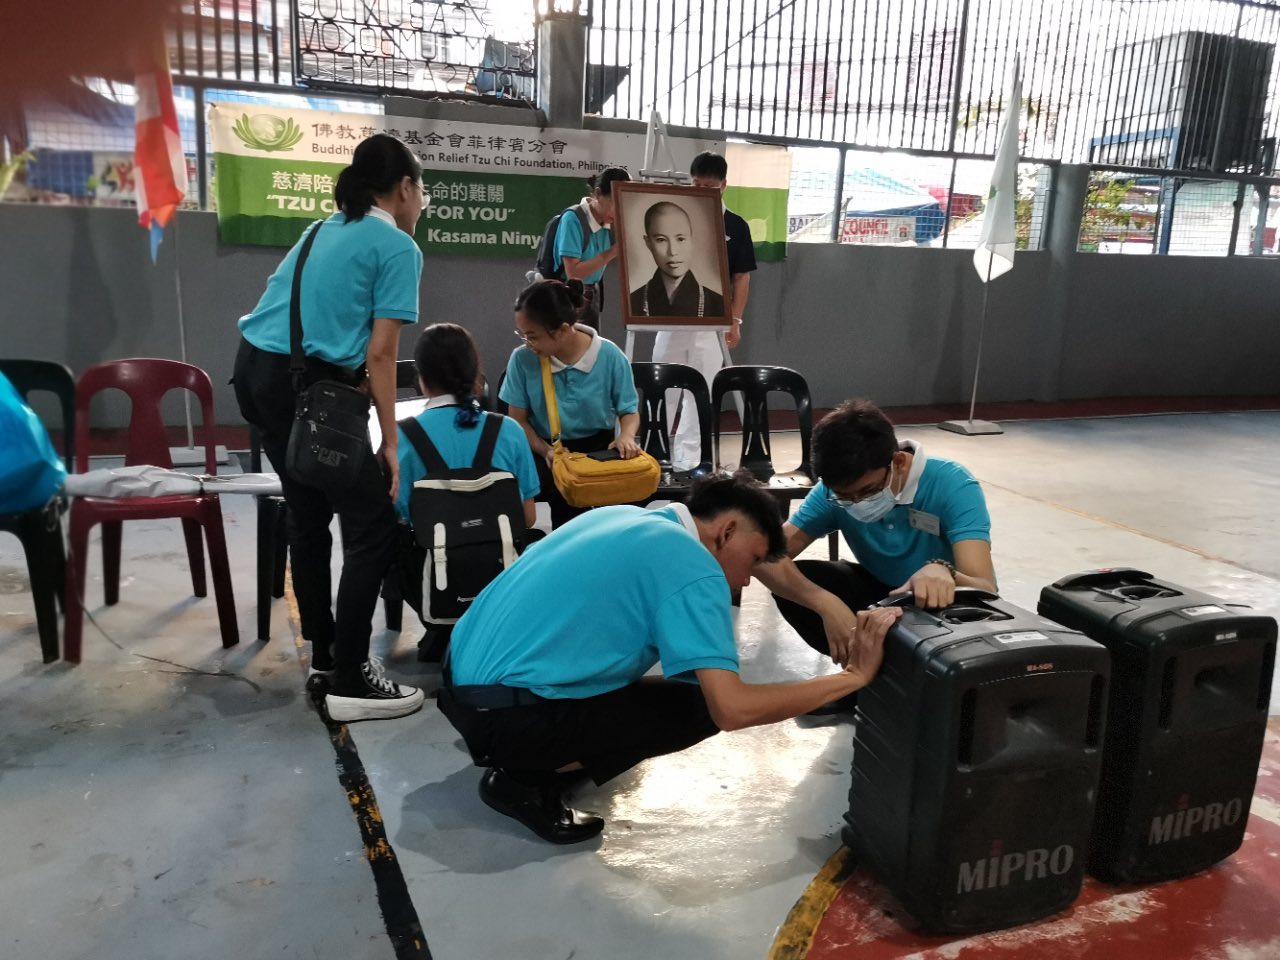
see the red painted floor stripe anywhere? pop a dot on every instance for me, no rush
(1230, 912)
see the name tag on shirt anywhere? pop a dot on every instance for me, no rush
(924, 522)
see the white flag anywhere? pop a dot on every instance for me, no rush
(994, 256)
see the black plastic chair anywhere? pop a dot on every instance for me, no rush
(653, 380)
(500, 405)
(755, 383)
(407, 384)
(40, 530)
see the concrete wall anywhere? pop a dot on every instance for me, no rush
(898, 325)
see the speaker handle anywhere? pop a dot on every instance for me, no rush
(963, 595)
(1088, 578)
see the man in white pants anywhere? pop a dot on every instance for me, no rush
(702, 350)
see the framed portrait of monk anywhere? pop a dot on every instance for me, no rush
(673, 262)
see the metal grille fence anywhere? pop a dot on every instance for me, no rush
(454, 48)
(1169, 84)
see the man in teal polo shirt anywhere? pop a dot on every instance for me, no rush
(915, 524)
(547, 683)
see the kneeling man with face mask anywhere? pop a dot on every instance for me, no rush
(915, 524)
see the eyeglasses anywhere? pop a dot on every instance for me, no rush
(866, 493)
(426, 197)
(527, 337)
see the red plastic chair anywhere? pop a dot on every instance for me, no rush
(146, 381)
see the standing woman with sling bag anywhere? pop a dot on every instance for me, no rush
(337, 303)
(595, 390)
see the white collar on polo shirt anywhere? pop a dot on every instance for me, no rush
(444, 400)
(683, 515)
(587, 360)
(379, 214)
(918, 460)
(591, 217)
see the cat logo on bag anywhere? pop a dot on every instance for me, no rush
(330, 458)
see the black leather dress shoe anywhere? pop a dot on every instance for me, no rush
(539, 808)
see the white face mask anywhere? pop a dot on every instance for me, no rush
(873, 508)
(876, 506)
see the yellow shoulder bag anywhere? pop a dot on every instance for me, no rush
(585, 481)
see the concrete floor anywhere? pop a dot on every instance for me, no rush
(170, 799)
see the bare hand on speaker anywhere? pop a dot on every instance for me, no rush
(933, 586)
(841, 626)
(866, 653)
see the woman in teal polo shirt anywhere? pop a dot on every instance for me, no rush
(359, 287)
(583, 255)
(595, 390)
(448, 367)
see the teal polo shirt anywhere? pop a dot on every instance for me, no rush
(357, 271)
(596, 604)
(940, 495)
(457, 447)
(590, 394)
(570, 241)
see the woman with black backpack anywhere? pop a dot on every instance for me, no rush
(454, 428)
(358, 275)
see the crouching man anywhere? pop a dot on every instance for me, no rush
(547, 682)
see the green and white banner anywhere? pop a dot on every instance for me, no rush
(493, 188)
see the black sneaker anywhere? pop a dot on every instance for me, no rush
(371, 696)
(317, 686)
(540, 808)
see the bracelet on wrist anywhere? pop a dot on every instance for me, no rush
(951, 568)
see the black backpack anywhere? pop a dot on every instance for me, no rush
(546, 262)
(468, 526)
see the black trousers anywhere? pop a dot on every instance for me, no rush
(365, 516)
(608, 734)
(851, 582)
(561, 512)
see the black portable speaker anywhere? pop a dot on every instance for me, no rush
(977, 751)
(1191, 681)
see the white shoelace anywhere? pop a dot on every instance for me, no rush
(376, 673)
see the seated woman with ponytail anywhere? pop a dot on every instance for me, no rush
(448, 372)
(594, 387)
(448, 368)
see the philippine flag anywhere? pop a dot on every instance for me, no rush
(160, 169)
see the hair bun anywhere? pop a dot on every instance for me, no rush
(575, 289)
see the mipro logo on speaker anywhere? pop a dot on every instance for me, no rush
(1189, 821)
(1024, 866)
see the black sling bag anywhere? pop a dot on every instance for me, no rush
(329, 438)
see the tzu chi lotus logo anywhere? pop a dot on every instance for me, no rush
(267, 133)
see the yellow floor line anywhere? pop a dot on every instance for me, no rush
(795, 936)
(295, 617)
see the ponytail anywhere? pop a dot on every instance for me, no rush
(379, 163)
(447, 362)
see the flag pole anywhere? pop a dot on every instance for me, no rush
(182, 335)
(999, 235)
(972, 427)
(982, 328)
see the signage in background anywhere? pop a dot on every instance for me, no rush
(493, 188)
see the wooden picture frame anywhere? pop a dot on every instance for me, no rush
(697, 264)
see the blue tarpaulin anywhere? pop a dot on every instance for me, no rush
(871, 194)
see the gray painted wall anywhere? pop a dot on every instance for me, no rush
(897, 325)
